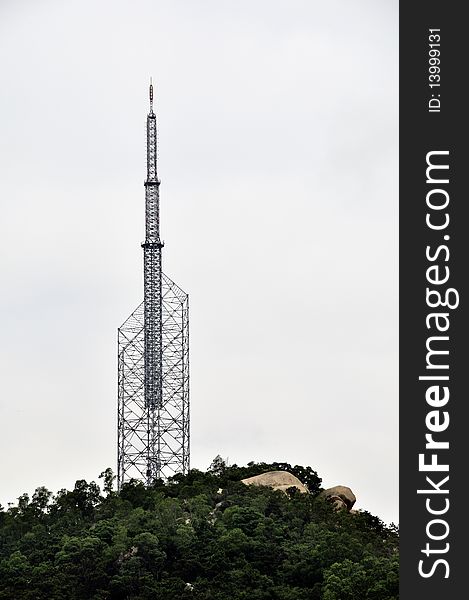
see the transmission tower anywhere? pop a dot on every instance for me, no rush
(153, 357)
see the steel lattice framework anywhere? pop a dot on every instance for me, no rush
(153, 358)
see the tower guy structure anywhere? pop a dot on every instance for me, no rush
(153, 357)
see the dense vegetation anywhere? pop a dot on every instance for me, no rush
(203, 536)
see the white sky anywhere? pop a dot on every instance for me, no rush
(278, 160)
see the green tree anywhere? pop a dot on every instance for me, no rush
(370, 579)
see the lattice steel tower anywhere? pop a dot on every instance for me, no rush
(153, 357)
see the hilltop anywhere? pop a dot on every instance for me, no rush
(203, 536)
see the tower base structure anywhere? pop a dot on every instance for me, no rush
(153, 441)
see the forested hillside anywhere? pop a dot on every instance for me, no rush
(204, 536)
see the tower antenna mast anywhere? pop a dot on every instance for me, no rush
(153, 357)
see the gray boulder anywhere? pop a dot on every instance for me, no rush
(340, 496)
(277, 480)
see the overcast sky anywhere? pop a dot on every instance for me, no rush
(278, 161)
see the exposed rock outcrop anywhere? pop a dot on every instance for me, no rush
(340, 496)
(277, 480)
